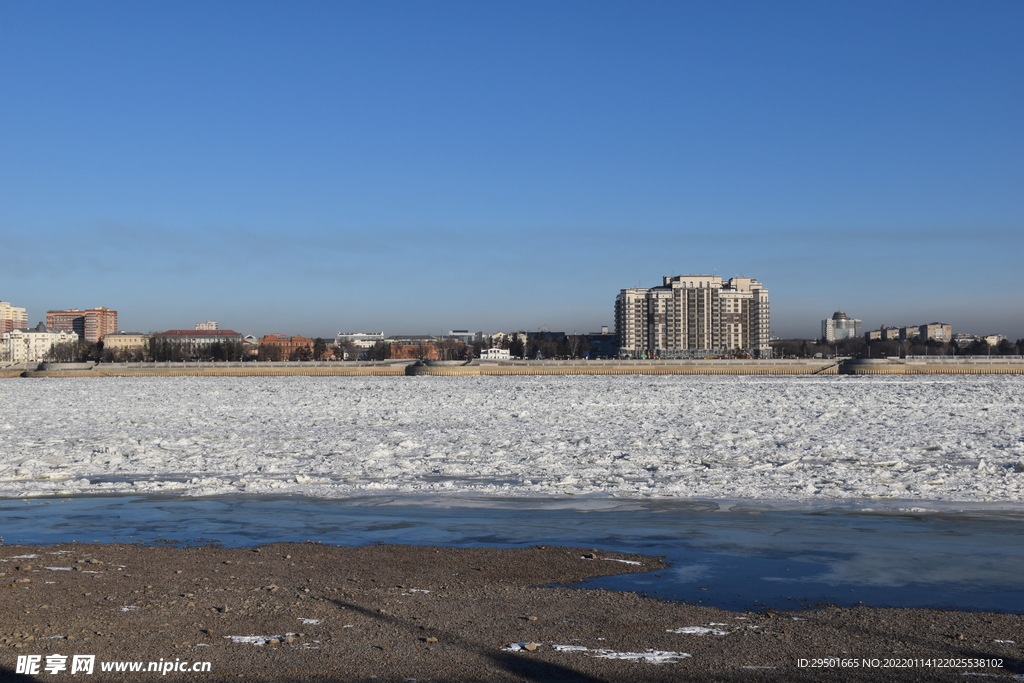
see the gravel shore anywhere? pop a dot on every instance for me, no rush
(310, 612)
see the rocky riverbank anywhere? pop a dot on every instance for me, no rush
(309, 612)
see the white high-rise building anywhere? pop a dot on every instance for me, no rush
(840, 327)
(693, 315)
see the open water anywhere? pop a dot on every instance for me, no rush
(738, 556)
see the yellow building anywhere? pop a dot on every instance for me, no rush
(125, 340)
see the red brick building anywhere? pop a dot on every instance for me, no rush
(421, 351)
(285, 347)
(91, 325)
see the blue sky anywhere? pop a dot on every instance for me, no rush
(423, 166)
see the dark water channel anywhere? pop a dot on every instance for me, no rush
(738, 556)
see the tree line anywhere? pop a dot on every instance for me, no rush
(156, 350)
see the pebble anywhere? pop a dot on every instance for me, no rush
(531, 618)
(530, 646)
(431, 640)
(24, 567)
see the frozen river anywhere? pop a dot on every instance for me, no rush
(915, 439)
(779, 491)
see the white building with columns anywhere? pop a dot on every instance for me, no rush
(32, 344)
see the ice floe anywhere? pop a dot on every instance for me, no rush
(699, 631)
(648, 656)
(260, 640)
(780, 438)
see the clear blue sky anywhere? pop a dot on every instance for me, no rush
(422, 166)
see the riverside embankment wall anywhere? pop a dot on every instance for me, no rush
(970, 366)
(255, 369)
(668, 367)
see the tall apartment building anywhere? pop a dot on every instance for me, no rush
(12, 317)
(693, 315)
(839, 326)
(91, 325)
(208, 325)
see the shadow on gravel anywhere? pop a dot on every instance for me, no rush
(8, 676)
(529, 669)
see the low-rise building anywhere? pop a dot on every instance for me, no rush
(411, 339)
(419, 351)
(25, 345)
(964, 338)
(122, 341)
(887, 333)
(603, 344)
(361, 340)
(464, 336)
(495, 354)
(192, 343)
(940, 332)
(285, 347)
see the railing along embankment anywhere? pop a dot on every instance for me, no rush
(251, 369)
(627, 367)
(968, 365)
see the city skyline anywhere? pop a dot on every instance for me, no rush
(419, 168)
(442, 331)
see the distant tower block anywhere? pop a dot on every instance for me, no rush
(208, 325)
(839, 326)
(91, 325)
